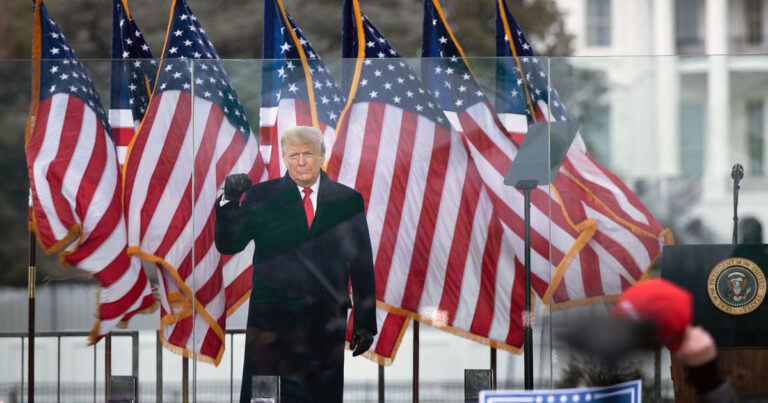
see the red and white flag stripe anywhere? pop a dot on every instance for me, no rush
(610, 190)
(173, 173)
(76, 206)
(610, 256)
(123, 128)
(433, 226)
(552, 237)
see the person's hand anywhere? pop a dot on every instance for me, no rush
(361, 341)
(235, 185)
(698, 347)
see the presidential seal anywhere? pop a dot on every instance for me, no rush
(736, 286)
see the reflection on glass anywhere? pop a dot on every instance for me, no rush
(617, 130)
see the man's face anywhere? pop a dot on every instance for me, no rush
(303, 162)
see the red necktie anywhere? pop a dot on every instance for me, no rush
(308, 209)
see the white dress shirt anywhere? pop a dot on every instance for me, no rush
(312, 196)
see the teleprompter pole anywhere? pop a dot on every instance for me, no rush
(527, 315)
(550, 140)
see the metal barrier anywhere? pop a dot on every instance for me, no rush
(218, 392)
(232, 333)
(207, 391)
(134, 335)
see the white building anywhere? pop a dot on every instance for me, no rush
(688, 85)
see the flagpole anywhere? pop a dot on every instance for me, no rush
(31, 319)
(158, 368)
(415, 398)
(381, 383)
(192, 201)
(185, 380)
(107, 364)
(493, 368)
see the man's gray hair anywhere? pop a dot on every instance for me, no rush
(302, 135)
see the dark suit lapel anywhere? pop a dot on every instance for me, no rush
(293, 199)
(323, 195)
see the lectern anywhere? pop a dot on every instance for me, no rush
(728, 284)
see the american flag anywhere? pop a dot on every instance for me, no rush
(74, 178)
(457, 92)
(627, 237)
(297, 88)
(194, 133)
(435, 241)
(132, 77)
(291, 71)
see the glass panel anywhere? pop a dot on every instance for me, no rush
(225, 107)
(678, 165)
(610, 181)
(665, 131)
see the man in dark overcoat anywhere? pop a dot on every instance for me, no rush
(310, 242)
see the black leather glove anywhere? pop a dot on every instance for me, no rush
(361, 341)
(235, 185)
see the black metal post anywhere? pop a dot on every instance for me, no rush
(31, 318)
(527, 315)
(493, 368)
(107, 364)
(135, 363)
(159, 368)
(415, 398)
(58, 369)
(94, 372)
(185, 380)
(381, 383)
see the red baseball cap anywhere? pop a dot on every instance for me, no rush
(666, 305)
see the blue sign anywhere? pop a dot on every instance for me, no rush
(627, 392)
